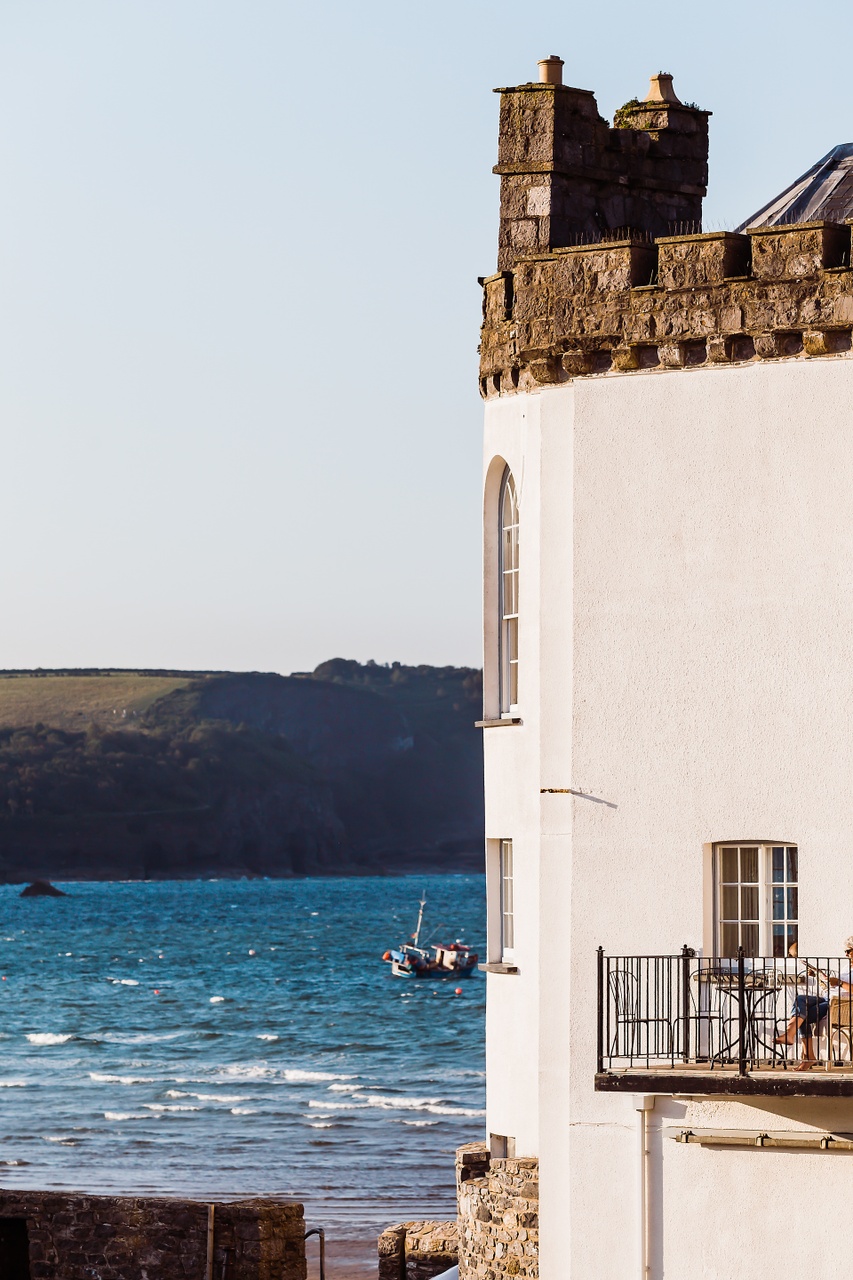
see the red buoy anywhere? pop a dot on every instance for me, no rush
(459, 991)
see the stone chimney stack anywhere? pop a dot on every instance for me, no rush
(567, 177)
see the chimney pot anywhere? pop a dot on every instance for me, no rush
(661, 90)
(551, 70)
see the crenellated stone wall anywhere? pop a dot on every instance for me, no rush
(498, 1215)
(71, 1236)
(673, 303)
(417, 1250)
(566, 174)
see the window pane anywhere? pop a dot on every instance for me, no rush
(749, 904)
(749, 865)
(730, 868)
(778, 940)
(778, 906)
(728, 940)
(792, 904)
(792, 865)
(750, 939)
(510, 600)
(730, 902)
(508, 587)
(778, 865)
(512, 640)
(792, 935)
(507, 912)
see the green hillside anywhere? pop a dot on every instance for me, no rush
(167, 774)
(76, 701)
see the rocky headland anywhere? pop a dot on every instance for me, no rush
(349, 769)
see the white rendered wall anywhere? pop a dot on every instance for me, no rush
(686, 658)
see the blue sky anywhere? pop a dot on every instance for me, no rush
(239, 245)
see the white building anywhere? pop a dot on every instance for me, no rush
(668, 728)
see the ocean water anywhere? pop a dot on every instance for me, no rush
(240, 1038)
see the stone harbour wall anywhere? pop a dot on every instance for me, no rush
(81, 1237)
(417, 1250)
(498, 1215)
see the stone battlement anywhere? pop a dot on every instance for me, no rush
(674, 302)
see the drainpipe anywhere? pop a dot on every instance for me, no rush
(643, 1104)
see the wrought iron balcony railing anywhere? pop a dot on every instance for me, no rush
(743, 1015)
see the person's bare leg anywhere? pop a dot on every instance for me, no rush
(808, 1054)
(790, 1036)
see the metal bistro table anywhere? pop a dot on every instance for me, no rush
(746, 1018)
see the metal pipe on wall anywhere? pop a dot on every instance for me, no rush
(643, 1104)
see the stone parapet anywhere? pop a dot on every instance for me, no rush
(567, 174)
(672, 303)
(78, 1237)
(498, 1215)
(417, 1250)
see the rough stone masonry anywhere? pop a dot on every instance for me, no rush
(604, 268)
(498, 1203)
(70, 1236)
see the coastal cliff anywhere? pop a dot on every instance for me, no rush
(350, 769)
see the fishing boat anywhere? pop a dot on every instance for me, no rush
(436, 960)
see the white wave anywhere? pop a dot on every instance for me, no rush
(47, 1037)
(160, 1106)
(244, 1111)
(345, 1088)
(123, 1115)
(13, 1084)
(114, 1037)
(295, 1076)
(221, 1097)
(217, 999)
(419, 1124)
(101, 1078)
(226, 1075)
(123, 982)
(434, 1106)
(323, 1125)
(262, 1037)
(65, 1142)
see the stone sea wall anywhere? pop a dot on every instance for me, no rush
(498, 1215)
(81, 1237)
(417, 1250)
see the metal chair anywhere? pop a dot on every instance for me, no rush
(840, 1024)
(625, 993)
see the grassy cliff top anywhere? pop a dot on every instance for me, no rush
(76, 701)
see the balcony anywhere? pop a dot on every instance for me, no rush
(694, 1025)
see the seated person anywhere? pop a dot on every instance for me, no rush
(809, 1010)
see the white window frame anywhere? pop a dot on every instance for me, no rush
(766, 900)
(508, 586)
(506, 900)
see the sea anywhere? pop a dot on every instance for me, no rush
(241, 1038)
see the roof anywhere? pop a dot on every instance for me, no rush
(823, 193)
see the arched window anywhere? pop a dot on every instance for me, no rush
(508, 593)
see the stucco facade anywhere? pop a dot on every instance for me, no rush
(675, 411)
(685, 678)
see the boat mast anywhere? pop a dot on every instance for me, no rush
(420, 918)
